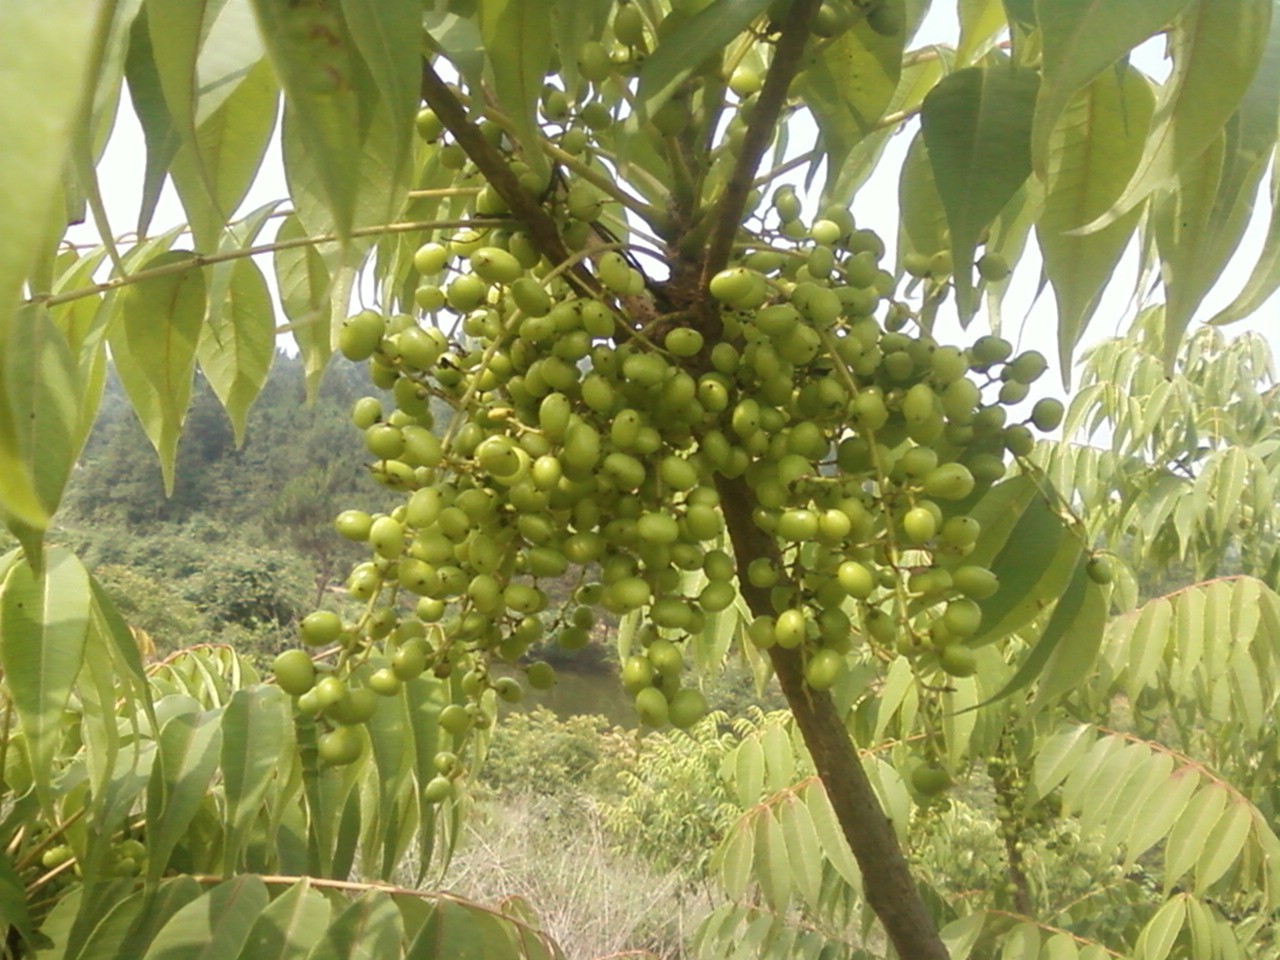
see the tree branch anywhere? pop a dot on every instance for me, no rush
(760, 132)
(493, 167)
(890, 888)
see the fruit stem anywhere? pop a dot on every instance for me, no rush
(650, 213)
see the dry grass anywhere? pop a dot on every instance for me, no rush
(555, 853)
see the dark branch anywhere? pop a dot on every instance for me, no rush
(493, 167)
(760, 133)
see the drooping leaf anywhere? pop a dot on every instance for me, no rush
(289, 926)
(153, 343)
(14, 911)
(773, 872)
(189, 746)
(517, 42)
(1216, 48)
(238, 344)
(921, 215)
(687, 44)
(253, 738)
(1264, 278)
(47, 51)
(213, 927)
(1091, 155)
(44, 621)
(1081, 40)
(303, 279)
(1073, 636)
(388, 34)
(214, 170)
(319, 68)
(847, 86)
(977, 127)
(42, 386)
(1157, 937)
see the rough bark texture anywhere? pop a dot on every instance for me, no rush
(888, 884)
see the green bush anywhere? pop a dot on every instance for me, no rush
(539, 753)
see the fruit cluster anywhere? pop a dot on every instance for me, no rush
(582, 445)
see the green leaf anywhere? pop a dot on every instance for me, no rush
(518, 43)
(734, 858)
(961, 935)
(1033, 566)
(772, 869)
(748, 771)
(1157, 937)
(1216, 48)
(1080, 41)
(1264, 279)
(847, 85)
(576, 22)
(1188, 836)
(981, 21)
(176, 28)
(831, 834)
(1058, 757)
(47, 51)
(1225, 844)
(370, 928)
(44, 622)
(462, 932)
(922, 217)
(1184, 220)
(153, 343)
(319, 68)
(1092, 154)
(977, 126)
(303, 279)
(289, 926)
(1079, 621)
(13, 902)
(687, 43)
(42, 386)
(254, 735)
(804, 852)
(388, 34)
(237, 345)
(213, 927)
(188, 757)
(214, 170)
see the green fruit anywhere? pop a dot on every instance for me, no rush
(409, 660)
(386, 536)
(320, 628)
(1100, 570)
(360, 335)
(857, 581)
(496, 265)
(353, 525)
(963, 617)
(686, 708)
(541, 675)
(56, 856)
(1027, 367)
(975, 582)
(1047, 414)
(652, 707)
(957, 660)
(993, 267)
(357, 706)
(428, 125)
(628, 25)
(930, 780)
(823, 669)
(384, 682)
(454, 719)
(430, 258)
(466, 292)
(294, 672)
(340, 746)
(920, 525)
(437, 790)
(951, 481)
(886, 18)
(732, 284)
(790, 628)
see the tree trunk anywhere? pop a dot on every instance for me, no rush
(886, 878)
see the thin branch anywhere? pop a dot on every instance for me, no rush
(498, 174)
(764, 121)
(204, 260)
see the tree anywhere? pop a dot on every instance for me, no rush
(736, 414)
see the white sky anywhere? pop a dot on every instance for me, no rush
(121, 169)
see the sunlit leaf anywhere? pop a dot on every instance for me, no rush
(44, 619)
(289, 926)
(189, 745)
(213, 927)
(977, 126)
(1216, 47)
